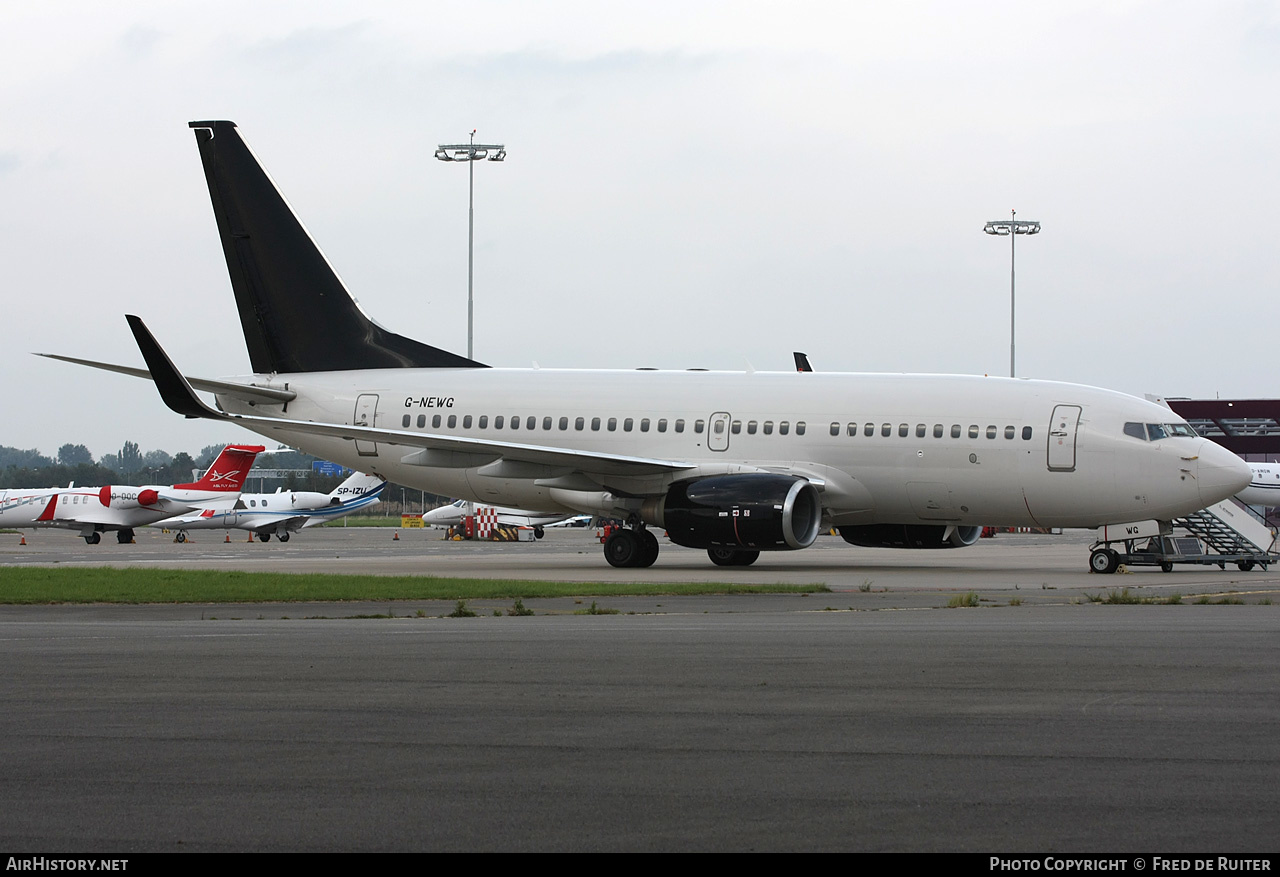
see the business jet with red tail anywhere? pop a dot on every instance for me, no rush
(728, 462)
(96, 510)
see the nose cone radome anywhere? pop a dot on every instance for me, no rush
(1221, 473)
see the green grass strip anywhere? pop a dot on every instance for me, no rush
(31, 585)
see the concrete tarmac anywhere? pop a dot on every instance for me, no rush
(866, 719)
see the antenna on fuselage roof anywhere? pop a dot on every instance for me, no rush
(802, 362)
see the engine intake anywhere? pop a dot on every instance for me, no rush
(910, 535)
(761, 512)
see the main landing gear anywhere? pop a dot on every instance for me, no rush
(125, 536)
(631, 548)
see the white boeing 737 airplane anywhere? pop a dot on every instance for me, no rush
(282, 513)
(732, 463)
(94, 510)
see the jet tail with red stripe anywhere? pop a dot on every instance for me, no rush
(229, 471)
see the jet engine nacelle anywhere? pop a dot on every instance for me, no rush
(118, 496)
(758, 511)
(910, 535)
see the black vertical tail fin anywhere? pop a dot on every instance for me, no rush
(296, 314)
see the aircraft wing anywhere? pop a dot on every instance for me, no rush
(431, 449)
(243, 391)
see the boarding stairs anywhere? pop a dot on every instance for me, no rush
(1232, 529)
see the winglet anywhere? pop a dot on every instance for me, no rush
(173, 387)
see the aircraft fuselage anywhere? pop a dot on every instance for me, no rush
(884, 448)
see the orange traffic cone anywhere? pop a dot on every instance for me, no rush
(228, 542)
(23, 540)
(396, 537)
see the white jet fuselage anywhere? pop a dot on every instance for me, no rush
(905, 449)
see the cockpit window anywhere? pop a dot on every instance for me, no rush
(1135, 430)
(1156, 432)
(1180, 429)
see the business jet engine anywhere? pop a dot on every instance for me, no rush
(758, 511)
(119, 496)
(910, 535)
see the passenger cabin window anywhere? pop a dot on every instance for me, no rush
(869, 429)
(801, 426)
(595, 424)
(835, 428)
(1026, 433)
(768, 427)
(973, 430)
(736, 427)
(466, 422)
(852, 429)
(679, 425)
(580, 423)
(886, 429)
(955, 430)
(484, 421)
(937, 430)
(564, 423)
(515, 421)
(613, 424)
(498, 421)
(784, 427)
(435, 422)
(405, 422)
(662, 424)
(903, 430)
(644, 424)
(751, 427)
(1008, 432)
(991, 431)
(627, 424)
(422, 421)
(532, 422)
(546, 423)
(920, 430)
(697, 426)
(453, 421)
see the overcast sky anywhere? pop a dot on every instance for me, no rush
(687, 184)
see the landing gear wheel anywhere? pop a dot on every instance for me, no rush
(732, 556)
(283, 537)
(1166, 566)
(538, 533)
(181, 537)
(264, 537)
(1245, 565)
(125, 536)
(648, 548)
(1104, 561)
(622, 548)
(93, 538)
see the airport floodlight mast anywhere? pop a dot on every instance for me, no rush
(1011, 227)
(471, 153)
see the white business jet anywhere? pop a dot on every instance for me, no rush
(282, 513)
(95, 510)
